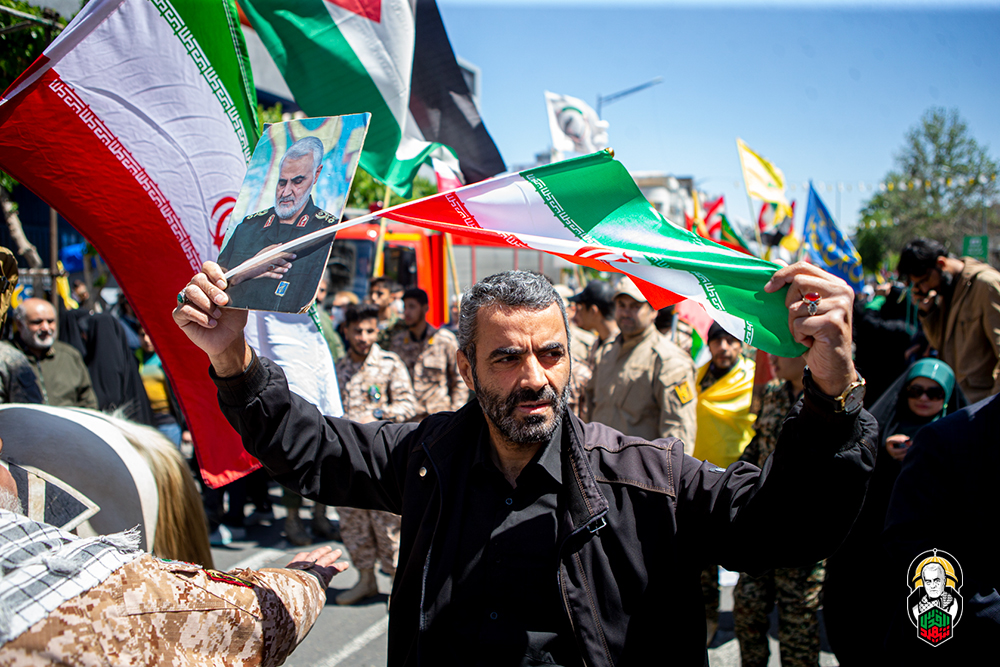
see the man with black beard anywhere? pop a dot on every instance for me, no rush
(959, 304)
(529, 537)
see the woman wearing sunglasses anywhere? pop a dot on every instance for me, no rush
(923, 394)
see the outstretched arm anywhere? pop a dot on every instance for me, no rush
(802, 504)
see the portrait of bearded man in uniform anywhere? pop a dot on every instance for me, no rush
(288, 282)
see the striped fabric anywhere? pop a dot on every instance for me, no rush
(43, 566)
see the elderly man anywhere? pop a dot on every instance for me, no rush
(101, 600)
(58, 367)
(959, 304)
(288, 284)
(529, 536)
(643, 384)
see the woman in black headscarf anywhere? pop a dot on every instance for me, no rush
(859, 591)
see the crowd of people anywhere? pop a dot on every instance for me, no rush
(555, 434)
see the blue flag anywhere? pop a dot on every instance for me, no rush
(826, 247)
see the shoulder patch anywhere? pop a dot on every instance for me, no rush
(323, 215)
(226, 578)
(684, 393)
(258, 213)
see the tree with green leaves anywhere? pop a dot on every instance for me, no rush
(25, 32)
(365, 190)
(943, 186)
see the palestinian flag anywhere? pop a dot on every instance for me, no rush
(391, 58)
(729, 237)
(136, 124)
(589, 211)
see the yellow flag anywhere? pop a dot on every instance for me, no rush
(763, 180)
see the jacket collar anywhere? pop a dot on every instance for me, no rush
(585, 504)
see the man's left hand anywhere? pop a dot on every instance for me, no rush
(827, 334)
(322, 561)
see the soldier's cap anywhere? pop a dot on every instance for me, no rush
(8, 280)
(627, 287)
(716, 331)
(596, 293)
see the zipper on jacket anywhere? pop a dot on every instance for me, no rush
(592, 526)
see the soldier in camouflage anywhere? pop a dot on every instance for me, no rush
(796, 590)
(102, 601)
(381, 293)
(580, 342)
(430, 354)
(374, 385)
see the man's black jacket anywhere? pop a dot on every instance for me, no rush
(640, 519)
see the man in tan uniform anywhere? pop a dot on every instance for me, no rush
(959, 304)
(430, 354)
(643, 384)
(580, 342)
(101, 600)
(374, 385)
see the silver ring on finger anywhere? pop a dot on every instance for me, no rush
(182, 297)
(812, 300)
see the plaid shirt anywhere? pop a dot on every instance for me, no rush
(43, 566)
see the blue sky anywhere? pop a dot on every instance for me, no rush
(824, 90)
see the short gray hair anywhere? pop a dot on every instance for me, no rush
(20, 313)
(510, 289)
(303, 147)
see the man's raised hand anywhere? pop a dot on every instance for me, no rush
(215, 329)
(827, 333)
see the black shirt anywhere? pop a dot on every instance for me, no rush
(506, 606)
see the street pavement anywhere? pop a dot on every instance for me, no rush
(356, 636)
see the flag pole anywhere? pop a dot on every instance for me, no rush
(755, 223)
(378, 266)
(450, 248)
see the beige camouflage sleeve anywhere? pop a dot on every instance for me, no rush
(290, 602)
(456, 385)
(402, 400)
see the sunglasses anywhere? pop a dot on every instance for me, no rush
(932, 393)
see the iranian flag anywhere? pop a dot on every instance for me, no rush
(390, 58)
(136, 124)
(588, 210)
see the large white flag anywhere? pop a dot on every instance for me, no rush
(575, 126)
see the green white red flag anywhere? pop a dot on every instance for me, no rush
(390, 58)
(136, 124)
(589, 211)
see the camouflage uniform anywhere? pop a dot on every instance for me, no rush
(377, 388)
(18, 383)
(580, 342)
(796, 590)
(433, 365)
(155, 612)
(388, 328)
(644, 387)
